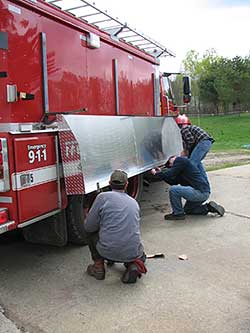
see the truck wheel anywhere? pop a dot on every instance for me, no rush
(135, 187)
(75, 214)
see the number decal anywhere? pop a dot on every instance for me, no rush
(26, 179)
(44, 154)
(37, 153)
(31, 156)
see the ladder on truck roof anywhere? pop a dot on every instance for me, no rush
(89, 13)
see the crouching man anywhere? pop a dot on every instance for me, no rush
(113, 231)
(188, 183)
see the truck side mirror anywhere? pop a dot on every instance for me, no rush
(186, 89)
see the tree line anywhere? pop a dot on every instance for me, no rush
(218, 84)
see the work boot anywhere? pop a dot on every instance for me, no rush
(213, 207)
(174, 216)
(97, 270)
(131, 274)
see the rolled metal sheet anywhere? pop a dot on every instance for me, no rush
(93, 146)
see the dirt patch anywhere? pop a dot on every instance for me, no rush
(214, 160)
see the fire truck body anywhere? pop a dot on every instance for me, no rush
(57, 74)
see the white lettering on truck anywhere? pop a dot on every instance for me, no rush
(37, 153)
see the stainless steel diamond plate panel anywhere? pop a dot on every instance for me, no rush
(93, 146)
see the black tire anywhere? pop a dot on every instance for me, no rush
(75, 214)
(135, 187)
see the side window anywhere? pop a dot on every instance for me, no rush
(167, 88)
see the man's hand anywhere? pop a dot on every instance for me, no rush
(184, 153)
(155, 170)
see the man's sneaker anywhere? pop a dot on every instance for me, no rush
(174, 217)
(213, 207)
(131, 274)
(97, 270)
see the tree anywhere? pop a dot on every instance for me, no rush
(219, 83)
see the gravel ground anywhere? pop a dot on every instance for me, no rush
(215, 160)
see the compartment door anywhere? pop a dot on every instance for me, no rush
(36, 176)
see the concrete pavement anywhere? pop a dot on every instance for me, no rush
(46, 289)
(6, 325)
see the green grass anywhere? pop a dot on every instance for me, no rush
(225, 166)
(230, 132)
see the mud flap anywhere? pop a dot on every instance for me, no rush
(51, 231)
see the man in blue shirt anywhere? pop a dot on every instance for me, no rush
(188, 183)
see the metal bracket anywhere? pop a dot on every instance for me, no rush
(11, 93)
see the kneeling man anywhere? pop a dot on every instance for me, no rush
(187, 182)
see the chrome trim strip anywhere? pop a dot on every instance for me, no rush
(115, 66)
(39, 218)
(45, 73)
(59, 195)
(5, 182)
(156, 82)
(6, 200)
(15, 128)
(36, 131)
(5, 227)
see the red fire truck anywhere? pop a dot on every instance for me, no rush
(80, 95)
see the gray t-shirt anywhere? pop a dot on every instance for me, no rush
(116, 215)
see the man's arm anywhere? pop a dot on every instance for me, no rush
(92, 222)
(171, 176)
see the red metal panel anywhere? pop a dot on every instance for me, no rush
(143, 87)
(3, 81)
(101, 92)
(24, 61)
(66, 58)
(78, 77)
(135, 85)
(35, 176)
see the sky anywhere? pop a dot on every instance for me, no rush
(182, 25)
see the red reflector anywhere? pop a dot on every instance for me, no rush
(4, 216)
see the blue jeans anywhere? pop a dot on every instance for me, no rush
(198, 154)
(192, 196)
